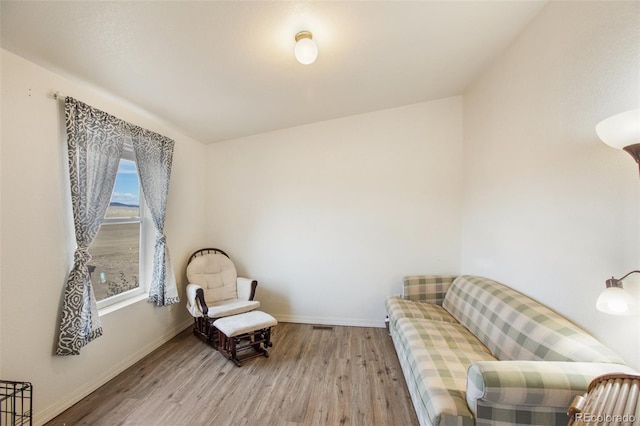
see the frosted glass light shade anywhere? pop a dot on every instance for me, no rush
(306, 50)
(616, 301)
(620, 130)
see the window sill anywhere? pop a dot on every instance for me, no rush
(119, 305)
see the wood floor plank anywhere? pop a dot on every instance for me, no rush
(338, 376)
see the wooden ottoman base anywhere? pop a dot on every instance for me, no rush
(248, 334)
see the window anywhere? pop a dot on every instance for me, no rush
(115, 252)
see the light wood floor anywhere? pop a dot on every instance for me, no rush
(344, 376)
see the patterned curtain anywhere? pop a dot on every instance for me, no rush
(154, 154)
(94, 141)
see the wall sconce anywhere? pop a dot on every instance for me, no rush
(614, 299)
(622, 131)
(306, 50)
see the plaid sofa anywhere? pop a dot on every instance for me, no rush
(476, 352)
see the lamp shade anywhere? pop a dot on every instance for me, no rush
(620, 130)
(616, 301)
(306, 50)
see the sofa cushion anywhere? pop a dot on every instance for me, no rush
(435, 356)
(426, 288)
(423, 332)
(400, 308)
(440, 375)
(514, 326)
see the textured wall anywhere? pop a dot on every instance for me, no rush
(330, 216)
(37, 242)
(549, 208)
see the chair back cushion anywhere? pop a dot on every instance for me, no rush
(516, 327)
(216, 274)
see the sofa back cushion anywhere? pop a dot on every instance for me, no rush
(426, 288)
(516, 327)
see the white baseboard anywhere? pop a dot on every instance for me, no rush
(58, 407)
(351, 322)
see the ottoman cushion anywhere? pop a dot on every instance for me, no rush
(236, 325)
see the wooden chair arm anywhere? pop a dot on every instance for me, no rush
(254, 284)
(246, 288)
(203, 304)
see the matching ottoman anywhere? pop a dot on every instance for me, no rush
(248, 332)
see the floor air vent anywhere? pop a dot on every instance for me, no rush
(323, 327)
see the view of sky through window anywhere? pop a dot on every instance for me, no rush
(127, 189)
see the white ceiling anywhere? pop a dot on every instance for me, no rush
(221, 70)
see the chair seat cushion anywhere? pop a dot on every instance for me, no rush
(244, 323)
(230, 307)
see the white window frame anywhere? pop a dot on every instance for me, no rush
(128, 154)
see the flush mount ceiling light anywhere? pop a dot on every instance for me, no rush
(306, 50)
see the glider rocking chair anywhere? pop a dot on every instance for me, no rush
(215, 291)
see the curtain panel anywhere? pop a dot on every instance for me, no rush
(154, 155)
(95, 141)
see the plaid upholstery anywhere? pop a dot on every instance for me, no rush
(400, 308)
(426, 288)
(438, 377)
(451, 369)
(529, 392)
(410, 380)
(514, 326)
(412, 332)
(508, 415)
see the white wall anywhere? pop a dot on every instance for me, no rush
(1, 91)
(548, 208)
(35, 241)
(330, 216)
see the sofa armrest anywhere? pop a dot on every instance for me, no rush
(507, 389)
(246, 288)
(426, 288)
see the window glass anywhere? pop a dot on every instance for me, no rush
(115, 252)
(125, 199)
